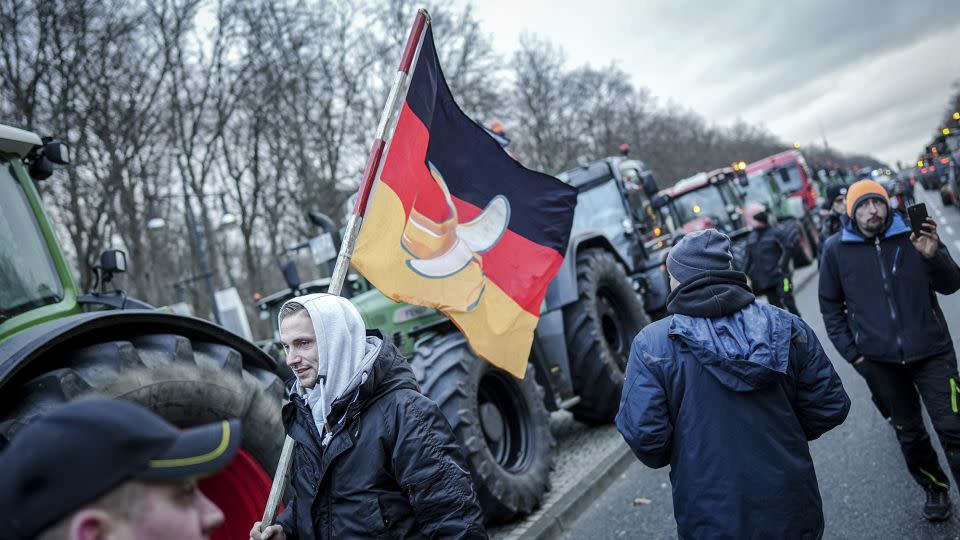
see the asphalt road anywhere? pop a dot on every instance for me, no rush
(867, 492)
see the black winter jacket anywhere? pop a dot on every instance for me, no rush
(392, 468)
(878, 296)
(829, 226)
(768, 257)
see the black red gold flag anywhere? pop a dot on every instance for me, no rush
(453, 222)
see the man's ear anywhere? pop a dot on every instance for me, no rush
(91, 524)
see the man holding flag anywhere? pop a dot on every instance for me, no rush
(373, 456)
(449, 221)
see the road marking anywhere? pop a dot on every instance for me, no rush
(949, 230)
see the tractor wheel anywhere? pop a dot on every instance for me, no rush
(188, 383)
(600, 327)
(500, 422)
(945, 197)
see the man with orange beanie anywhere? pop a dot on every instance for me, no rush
(877, 285)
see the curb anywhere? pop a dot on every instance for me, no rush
(568, 508)
(573, 503)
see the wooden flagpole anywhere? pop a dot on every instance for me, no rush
(411, 52)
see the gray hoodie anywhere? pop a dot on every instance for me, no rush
(345, 353)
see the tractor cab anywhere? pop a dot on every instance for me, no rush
(35, 281)
(707, 200)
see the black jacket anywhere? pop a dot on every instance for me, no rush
(768, 257)
(878, 297)
(392, 468)
(829, 226)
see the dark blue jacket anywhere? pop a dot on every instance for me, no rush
(768, 256)
(729, 402)
(392, 468)
(878, 297)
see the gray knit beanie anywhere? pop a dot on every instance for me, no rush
(699, 252)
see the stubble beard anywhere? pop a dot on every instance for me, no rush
(872, 229)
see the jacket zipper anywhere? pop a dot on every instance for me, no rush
(888, 294)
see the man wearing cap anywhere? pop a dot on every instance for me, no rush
(728, 392)
(834, 206)
(374, 456)
(877, 294)
(98, 468)
(767, 262)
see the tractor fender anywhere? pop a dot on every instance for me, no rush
(47, 339)
(563, 289)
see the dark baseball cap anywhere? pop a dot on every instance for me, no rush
(83, 449)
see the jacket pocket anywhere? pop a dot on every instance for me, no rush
(372, 518)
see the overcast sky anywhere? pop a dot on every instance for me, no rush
(876, 75)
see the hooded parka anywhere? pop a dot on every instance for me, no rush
(383, 462)
(727, 392)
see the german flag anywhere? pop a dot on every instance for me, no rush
(455, 223)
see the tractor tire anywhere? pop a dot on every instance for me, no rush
(500, 422)
(945, 197)
(600, 327)
(188, 383)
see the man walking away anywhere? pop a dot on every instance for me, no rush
(878, 285)
(768, 261)
(728, 392)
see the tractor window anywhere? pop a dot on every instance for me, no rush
(790, 180)
(730, 194)
(28, 278)
(702, 209)
(758, 190)
(600, 207)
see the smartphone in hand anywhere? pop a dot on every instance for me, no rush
(918, 216)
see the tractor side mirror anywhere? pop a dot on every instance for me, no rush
(56, 151)
(113, 261)
(290, 274)
(41, 159)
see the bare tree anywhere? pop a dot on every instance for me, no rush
(544, 113)
(202, 90)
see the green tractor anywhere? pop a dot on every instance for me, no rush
(57, 344)
(612, 276)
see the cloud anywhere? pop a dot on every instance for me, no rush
(876, 74)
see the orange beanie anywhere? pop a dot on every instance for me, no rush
(863, 190)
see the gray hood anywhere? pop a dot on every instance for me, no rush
(345, 353)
